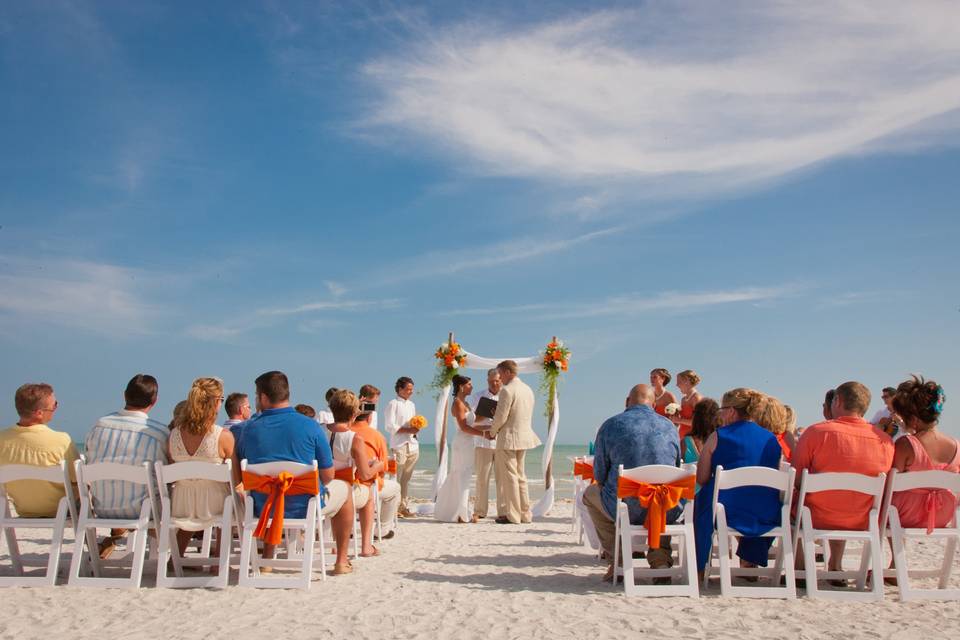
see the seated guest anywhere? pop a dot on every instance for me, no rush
(351, 463)
(634, 438)
(389, 489)
(128, 436)
(306, 410)
(238, 411)
(920, 403)
(687, 382)
(772, 415)
(828, 404)
(753, 511)
(325, 417)
(659, 379)
(369, 394)
(704, 421)
(887, 418)
(279, 433)
(847, 444)
(197, 504)
(177, 412)
(32, 442)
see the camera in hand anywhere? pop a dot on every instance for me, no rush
(366, 407)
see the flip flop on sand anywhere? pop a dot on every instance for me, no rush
(376, 552)
(108, 546)
(342, 569)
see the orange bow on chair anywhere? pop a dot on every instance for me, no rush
(286, 484)
(657, 499)
(345, 474)
(583, 470)
(392, 466)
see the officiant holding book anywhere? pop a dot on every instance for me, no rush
(484, 405)
(513, 429)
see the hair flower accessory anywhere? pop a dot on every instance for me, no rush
(937, 403)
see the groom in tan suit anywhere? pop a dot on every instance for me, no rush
(513, 429)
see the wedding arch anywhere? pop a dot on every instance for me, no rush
(452, 358)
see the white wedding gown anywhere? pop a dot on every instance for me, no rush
(453, 498)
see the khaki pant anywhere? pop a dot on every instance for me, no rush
(406, 461)
(513, 499)
(607, 530)
(338, 491)
(484, 465)
(389, 503)
(361, 496)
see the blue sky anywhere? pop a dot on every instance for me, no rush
(765, 194)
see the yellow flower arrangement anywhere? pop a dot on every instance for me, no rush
(418, 422)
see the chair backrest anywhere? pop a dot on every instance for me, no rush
(833, 481)
(754, 477)
(655, 473)
(89, 473)
(947, 480)
(277, 467)
(587, 460)
(194, 470)
(690, 467)
(14, 472)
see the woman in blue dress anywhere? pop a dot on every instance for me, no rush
(753, 511)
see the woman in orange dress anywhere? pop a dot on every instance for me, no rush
(659, 379)
(687, 382)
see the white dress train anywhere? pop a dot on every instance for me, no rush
(453, 498)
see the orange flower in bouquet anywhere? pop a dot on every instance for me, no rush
(418, 422)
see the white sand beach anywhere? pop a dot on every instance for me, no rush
(471, 581)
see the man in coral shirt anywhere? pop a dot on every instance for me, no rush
(389, 489)
(845, 444)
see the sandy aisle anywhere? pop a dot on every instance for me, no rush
(473, 581)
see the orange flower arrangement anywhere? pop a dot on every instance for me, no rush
(418, 422)
(556, 359)
(450, 358)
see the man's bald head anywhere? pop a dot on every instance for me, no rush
(640, 394)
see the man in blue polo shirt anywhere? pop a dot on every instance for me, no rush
(279, 433)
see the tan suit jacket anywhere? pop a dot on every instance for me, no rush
(513, 421)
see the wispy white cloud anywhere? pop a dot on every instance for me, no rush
(637, 304)
(334, 305)
(90, 296)
(479, 257)
(336, 289)
(691, 96)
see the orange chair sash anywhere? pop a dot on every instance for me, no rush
(584, 470)
(657, 499)
(345, 474)
(285, 484)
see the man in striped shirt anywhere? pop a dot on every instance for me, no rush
(129, 437)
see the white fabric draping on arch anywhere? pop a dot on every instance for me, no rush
(524, 365)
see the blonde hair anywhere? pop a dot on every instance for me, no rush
(201, 410)
(791, 419)
(177, 414)
(771, 415)
(690, 375)
(344, 404)
(747, 402)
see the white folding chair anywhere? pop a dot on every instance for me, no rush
(168, 548)
(88, 522)
(299, 554)
(9, 523)
(683, 573)
(783, 482)
(931, 480)
(871, 556)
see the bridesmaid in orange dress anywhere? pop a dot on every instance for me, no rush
(687, 382)
(659, 379)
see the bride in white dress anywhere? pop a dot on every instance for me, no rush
(453, 498)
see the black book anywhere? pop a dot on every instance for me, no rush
(486, 408)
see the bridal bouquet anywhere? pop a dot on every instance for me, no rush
(450, 357)
(672, 409)
(556, 359)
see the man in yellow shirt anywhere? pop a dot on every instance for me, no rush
(32, 442)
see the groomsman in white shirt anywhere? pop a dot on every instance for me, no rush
(485, 448)
(403, 437)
